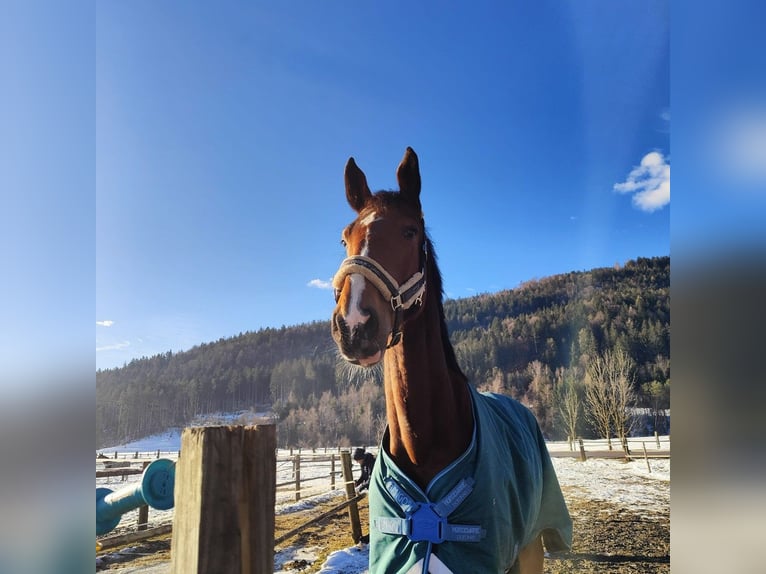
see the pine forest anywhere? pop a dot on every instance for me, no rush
(547, 343)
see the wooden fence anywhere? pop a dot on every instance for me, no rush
(324, 466)
(299, 484)
(221, 471)
(648, 447)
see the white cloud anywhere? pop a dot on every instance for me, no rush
(113, 347)
(106, 323)
(649, 183)
(319, 284)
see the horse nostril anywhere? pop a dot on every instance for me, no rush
(371, 325)
(339, 324)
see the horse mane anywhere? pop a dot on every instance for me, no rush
(381, 200)
(435, 277)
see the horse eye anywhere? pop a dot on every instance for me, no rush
(410, 232)
(343, 242)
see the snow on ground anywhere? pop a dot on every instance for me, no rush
(352, 560)
(627, 485)
(169, 440)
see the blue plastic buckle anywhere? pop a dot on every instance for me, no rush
(426, 524)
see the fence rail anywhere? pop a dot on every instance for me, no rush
(231, 525)
(305, 473)
(302, 475)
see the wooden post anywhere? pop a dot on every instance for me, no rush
(583, 458)
(353, 509)
(646, 458)
(158, 453)
(297, 475)
(332, 472)
(224, 501)
(143, 510)
(657, 438)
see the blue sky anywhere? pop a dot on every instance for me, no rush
(543, 132)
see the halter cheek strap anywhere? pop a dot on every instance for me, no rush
(401, 297)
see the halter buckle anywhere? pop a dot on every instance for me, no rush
(396, 301)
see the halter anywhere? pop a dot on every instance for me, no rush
(401, 297)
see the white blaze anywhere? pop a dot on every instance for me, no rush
(354, 316)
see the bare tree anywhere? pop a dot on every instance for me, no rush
(597, 397)
(624, 397)
(568, 396)
(609, 394)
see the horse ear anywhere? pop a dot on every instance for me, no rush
(408, 176)
(357, 192)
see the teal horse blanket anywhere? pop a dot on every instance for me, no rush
(479, 512)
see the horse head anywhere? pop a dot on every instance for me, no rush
(382, 280)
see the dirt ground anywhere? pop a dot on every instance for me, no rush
(611, 539)
(607, 539)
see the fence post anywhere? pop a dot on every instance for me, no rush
(583, 458)
(353, 509)
(224, 501)
(646, 458)
(143, 511)
(297, 475)
(332, 472)
(657, 438)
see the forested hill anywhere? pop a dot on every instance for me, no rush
(511, 341)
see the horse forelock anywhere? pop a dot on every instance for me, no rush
(383, 200)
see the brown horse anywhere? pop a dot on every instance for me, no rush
(440, 430)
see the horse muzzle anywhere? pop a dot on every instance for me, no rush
(358, 345)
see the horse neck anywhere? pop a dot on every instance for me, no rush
(428, 404)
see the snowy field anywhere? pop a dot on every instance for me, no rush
(627, 485)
